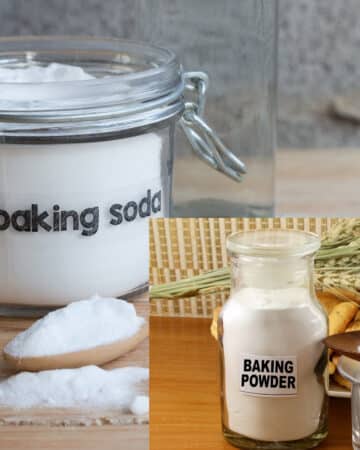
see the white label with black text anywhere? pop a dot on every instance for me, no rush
(268, 375)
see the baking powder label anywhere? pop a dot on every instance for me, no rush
(268, 375)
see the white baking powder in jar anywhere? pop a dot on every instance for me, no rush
(271, 332)
(86, 146)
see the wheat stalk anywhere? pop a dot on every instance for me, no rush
(342, 233)
(200, 284)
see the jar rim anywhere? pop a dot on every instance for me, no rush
(273, 243)
(134, 84)
(23, 45)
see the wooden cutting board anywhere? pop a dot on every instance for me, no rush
(122, 427)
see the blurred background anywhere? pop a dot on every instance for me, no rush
(319, 43)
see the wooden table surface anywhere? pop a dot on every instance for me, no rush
(184, 385)
(317, 182)
(96, 437)
(308, 182)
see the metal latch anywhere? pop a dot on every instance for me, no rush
(204, 141)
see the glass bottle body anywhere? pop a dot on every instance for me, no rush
(272, 356)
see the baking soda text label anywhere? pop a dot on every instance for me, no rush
(87, 221)
(268, 376)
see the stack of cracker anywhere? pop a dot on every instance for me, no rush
(344, 316)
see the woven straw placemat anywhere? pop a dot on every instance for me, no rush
(181, 248)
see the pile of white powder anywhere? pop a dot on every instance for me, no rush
(79, 326)
(87, 387)
(46, 74)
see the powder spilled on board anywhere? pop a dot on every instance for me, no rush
(86, 387)
(79, 326)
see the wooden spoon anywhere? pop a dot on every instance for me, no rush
(98, 355)
(347, 344)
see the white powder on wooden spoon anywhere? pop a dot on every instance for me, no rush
(86, 387)
(79, 326)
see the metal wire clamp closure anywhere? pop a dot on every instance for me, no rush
(204, 141)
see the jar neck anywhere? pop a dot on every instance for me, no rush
(272, 273)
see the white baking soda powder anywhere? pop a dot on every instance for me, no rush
(86, 387)
(79, 326)
(46, 74)
(74, 216)
(272, 345)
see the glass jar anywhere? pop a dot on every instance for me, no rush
(84, 162)
(270, 335)
(235, 43)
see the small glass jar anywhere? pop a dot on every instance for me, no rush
(270, 335)
(84, 163)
